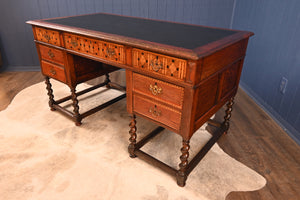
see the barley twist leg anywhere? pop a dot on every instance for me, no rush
(181, 174)
(132, 138)
(75, 107)
(50, 93)
(228, 114)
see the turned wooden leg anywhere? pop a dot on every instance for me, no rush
(181, 174)
(107, 80)
(76, 107)
(132, 138)
(228, 114)
(50, 93)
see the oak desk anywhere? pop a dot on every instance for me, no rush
(178, 75)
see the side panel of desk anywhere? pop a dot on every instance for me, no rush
(218, 82)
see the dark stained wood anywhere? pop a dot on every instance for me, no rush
(177, 91)
(229, 79)
(206, 96)
(50, 93)
(188, 116)
(116, 86)
(197, 158)
(148, 137)
(228, 114)
(102, 106)
(214, 123)
(80, 93)
(77, 116)
(181, 174)
(132, 139)
(220, 59)
(65, 112)
(204, 118)
(254, 139)
(86, 69)
(155, 162)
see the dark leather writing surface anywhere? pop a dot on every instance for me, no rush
(174, 34)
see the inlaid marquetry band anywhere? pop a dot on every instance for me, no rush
(158, 63)
(95, 47)
(48, 36)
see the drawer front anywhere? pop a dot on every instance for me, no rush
(158, 90)
(98, 48)
(53, 71)
(157, 112)
(170, 66)
(48, 36)
(51, 54)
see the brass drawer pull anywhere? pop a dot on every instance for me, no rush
(47, 37)
(155, 89)
(52, 71)
(110, 52)
(74, 43)
(156, 65)
(155, 112)
(51, 54)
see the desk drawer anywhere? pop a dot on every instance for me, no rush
(157, 112)
(98, 48)
(48, 36)
(51, 54)
(53, 71)
(170, 66)
(158, 90)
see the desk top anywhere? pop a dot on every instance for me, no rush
(184, 40)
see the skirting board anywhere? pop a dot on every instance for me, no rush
(12, 68)
(289, 129)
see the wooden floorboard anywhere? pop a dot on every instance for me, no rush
(253, 139)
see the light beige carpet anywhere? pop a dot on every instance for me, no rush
(45, 156)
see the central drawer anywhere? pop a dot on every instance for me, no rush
(95, 47)
(158, 90)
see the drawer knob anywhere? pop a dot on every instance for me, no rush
(156, 65)
(74, 43)
(50, 54)
(110, 52)
(47, 37)
(155, 89)
(155, 112)
(52, 71)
